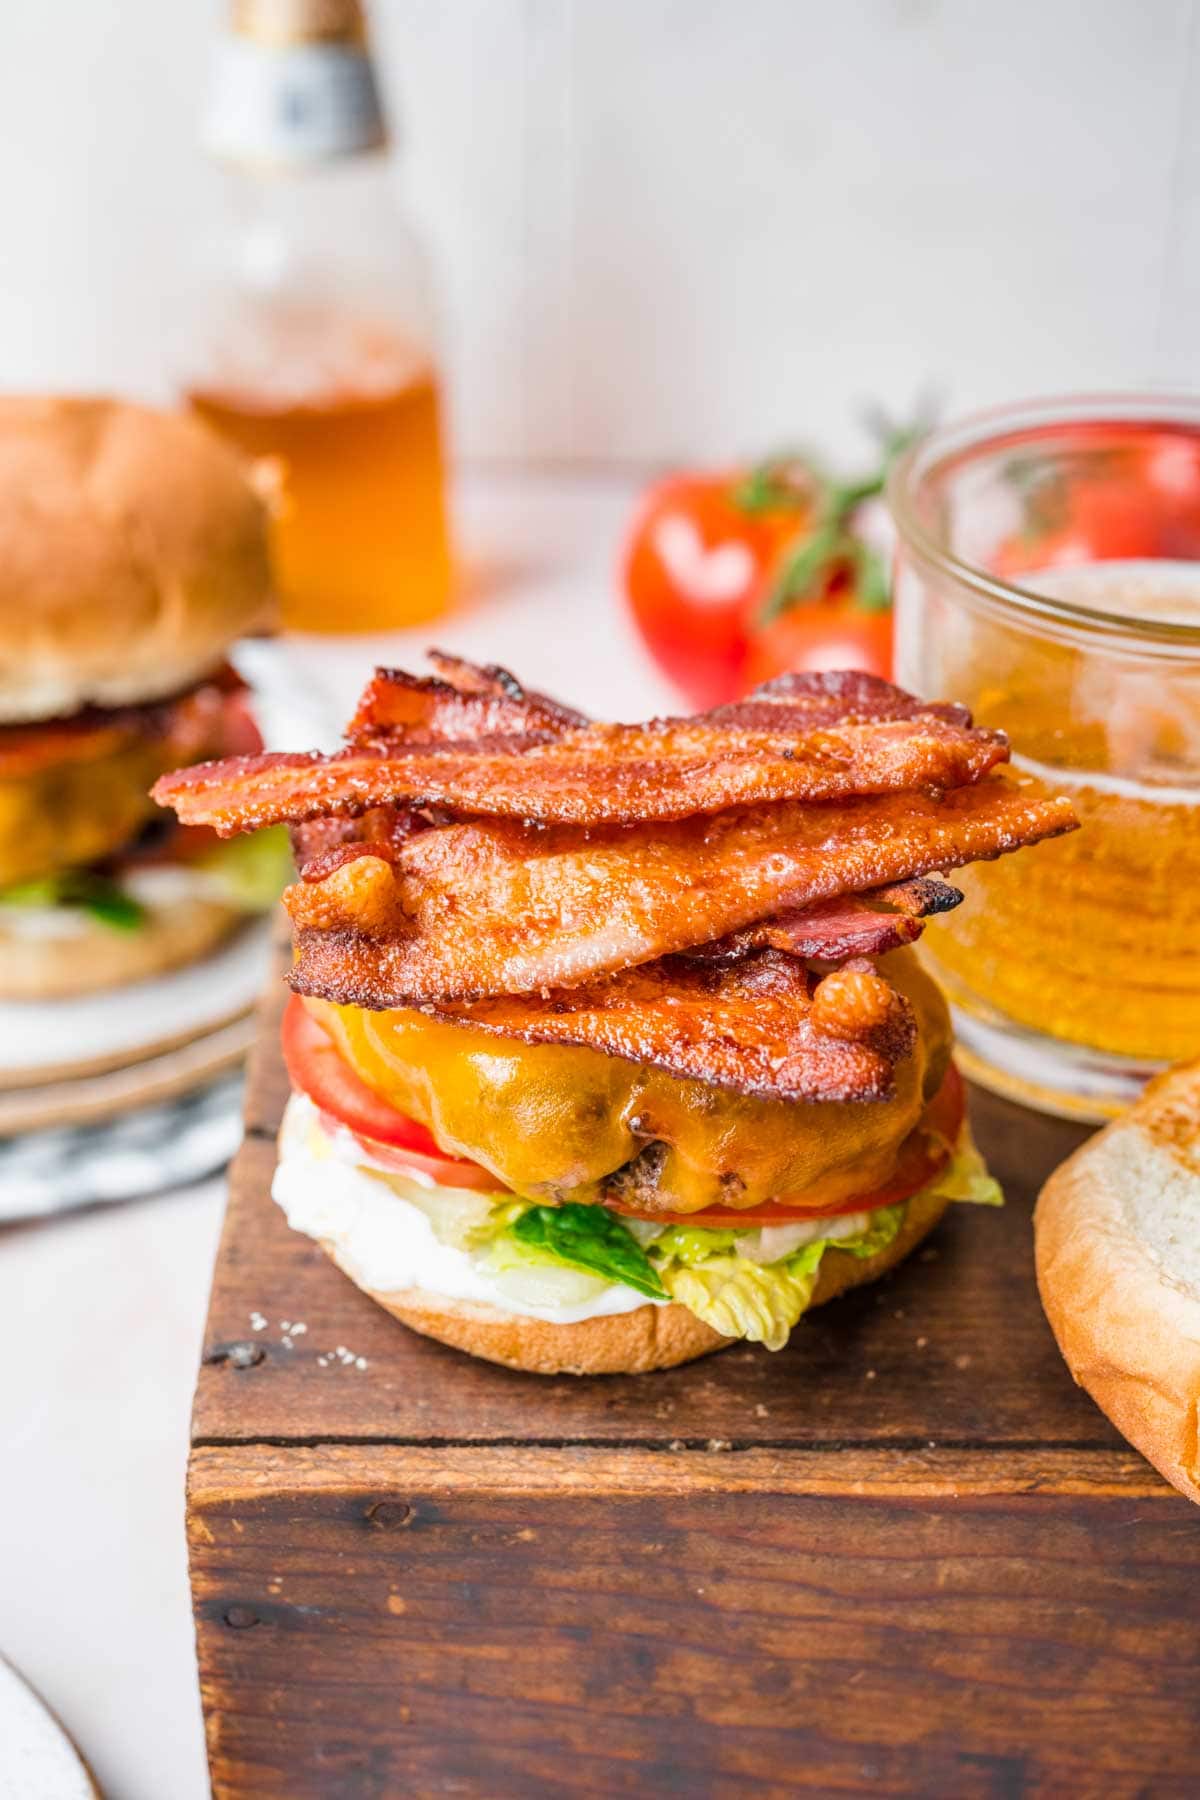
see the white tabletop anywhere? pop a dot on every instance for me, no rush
(101, 1314)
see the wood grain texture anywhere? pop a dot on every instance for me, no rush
(392, 1623)
(905, 1555)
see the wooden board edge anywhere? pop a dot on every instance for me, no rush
(221, 1474)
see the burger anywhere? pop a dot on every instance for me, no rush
(132, 554)
(608, 1044)
(1117, 1236)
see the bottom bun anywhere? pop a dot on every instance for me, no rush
(1117, 1232)
(632, 1343)
(99, 956)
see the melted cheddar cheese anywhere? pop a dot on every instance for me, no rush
(554, 1122)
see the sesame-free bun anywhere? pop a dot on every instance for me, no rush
(632, 1343)
(97, 956)
(1118, 1264)
(132, 553)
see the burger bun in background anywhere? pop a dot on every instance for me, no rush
(133, 551)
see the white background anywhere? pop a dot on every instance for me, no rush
(668, 227)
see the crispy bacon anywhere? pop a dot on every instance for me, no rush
(750, 1028)
(919, 898)
(835, 930)
(489, 908)
(815, 697)
(473, 703)
(596, 775)
(321, 845)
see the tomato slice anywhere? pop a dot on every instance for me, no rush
(317, 1069)
(446, 1171)
(923, 1152)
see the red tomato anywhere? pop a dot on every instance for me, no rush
(696, 565)
(821, 637)
(917, 1164)
(316, 1068)
(447, 1171)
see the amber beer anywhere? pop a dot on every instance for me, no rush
(1098, 940)
(320, 367)
(355, 480)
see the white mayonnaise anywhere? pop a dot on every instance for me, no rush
(43, 924)
(328, 1189)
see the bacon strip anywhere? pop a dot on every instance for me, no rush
(597, 775)
(811, 698)
(750, 1029)
(186, 725)
(321, 845)
(472, 703)
(477, 742)
(836, 930)
(482, 909)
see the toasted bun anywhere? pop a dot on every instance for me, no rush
(1118, 1264)
(98, 957)
(132, 553)
(652, 1337)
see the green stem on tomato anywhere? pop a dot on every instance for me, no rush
(831, 541)
(778, 482)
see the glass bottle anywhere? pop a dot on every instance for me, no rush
(311, 346)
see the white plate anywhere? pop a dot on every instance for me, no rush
(38, 1761)
(57, 1038)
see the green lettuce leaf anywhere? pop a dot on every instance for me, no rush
(692, 1244)
(746, 1299)
(703, 1271)
(885, 1223)
(965, 1177)
(93, 894)
(248, 872)
(581, 1237)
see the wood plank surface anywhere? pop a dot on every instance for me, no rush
(403, 1621)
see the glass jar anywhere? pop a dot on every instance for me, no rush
(1048, 575)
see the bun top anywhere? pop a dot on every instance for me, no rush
(132, 552)
(1118, 1261)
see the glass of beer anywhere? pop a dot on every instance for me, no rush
(1048, 575)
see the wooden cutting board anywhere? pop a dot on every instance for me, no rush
(906, 1555)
